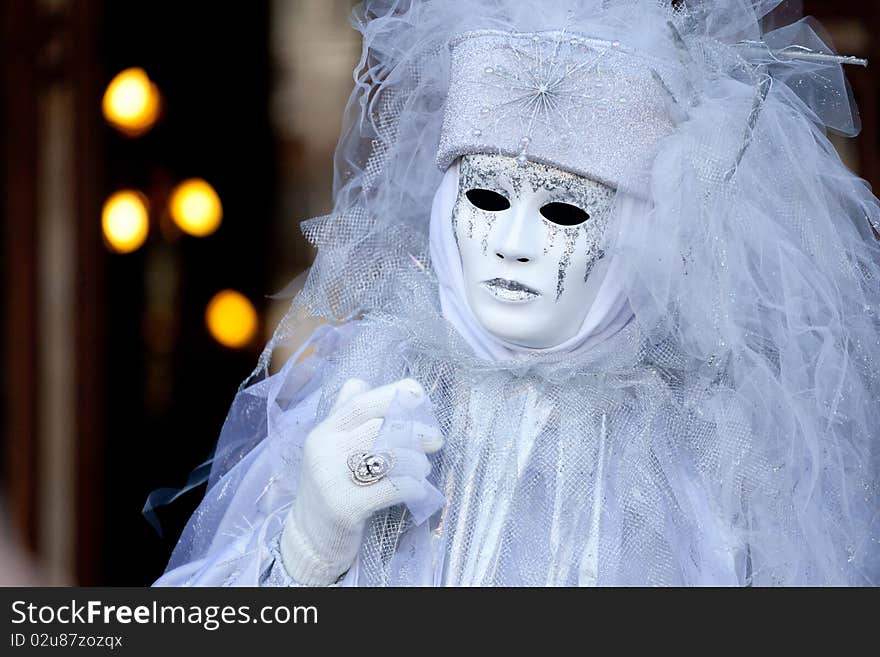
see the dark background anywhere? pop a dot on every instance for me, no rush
(213, 67)
(112, 386)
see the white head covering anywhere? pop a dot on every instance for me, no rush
(609, 311)
(497, 103)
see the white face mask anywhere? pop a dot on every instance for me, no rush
(530, 238)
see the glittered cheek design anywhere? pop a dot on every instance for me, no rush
(567, 221)
(480, 200)
(564, 218)
(486, 206)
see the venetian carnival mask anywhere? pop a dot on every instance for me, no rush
(530, 238)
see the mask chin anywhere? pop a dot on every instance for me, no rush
(533, 331)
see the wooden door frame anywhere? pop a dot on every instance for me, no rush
(39, 51)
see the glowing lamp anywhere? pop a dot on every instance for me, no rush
(196, 208)
(125, 221)
(231, 319)
(131, 102)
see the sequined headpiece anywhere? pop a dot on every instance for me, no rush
(589, 106)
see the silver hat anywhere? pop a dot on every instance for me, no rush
(590, 106)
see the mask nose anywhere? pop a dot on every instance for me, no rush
(517, 239)
(501, 256)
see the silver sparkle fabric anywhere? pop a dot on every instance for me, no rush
(727, 435)
(586, 105)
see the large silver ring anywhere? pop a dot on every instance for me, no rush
(369, 468)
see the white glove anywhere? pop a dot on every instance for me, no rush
(323, 530)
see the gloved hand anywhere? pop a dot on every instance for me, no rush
(323, 530)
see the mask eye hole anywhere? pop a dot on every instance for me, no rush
(564, 214)
(486, 199)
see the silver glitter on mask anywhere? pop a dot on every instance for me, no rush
(476, 178)
(487, 228)
(503, 174)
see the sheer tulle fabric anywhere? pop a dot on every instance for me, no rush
(727, 434)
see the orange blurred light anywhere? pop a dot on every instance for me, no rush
(196, 208)
(231, 319)
(131, 102)
(125, 220)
